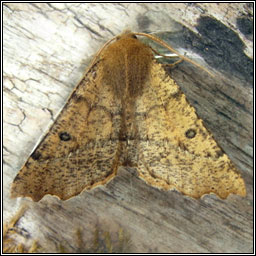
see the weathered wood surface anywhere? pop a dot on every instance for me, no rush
(46, 49)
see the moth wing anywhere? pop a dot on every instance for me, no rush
(175, 150)
(81, 149)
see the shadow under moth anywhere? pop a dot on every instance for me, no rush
(127, 111)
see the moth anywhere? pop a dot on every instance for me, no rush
(127, 111)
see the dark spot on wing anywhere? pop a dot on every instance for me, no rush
(64, 136)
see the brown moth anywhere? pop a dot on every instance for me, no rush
(127, 111)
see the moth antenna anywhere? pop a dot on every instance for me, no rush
(170, 65)
(99, 52)
(170, 48)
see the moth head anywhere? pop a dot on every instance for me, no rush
(126, 34)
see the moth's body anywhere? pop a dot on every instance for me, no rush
(126, 67)
(126, 70)
(127, 111)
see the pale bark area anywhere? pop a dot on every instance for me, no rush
(46, 50)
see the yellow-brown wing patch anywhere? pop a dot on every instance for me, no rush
(81, 149)
(176, 151)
